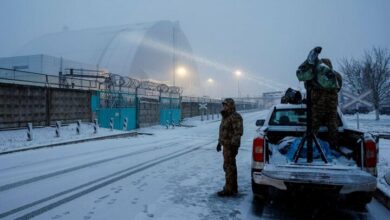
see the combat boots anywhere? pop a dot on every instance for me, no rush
(225, 193)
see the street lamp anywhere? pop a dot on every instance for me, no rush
(210, 80)
(238, 74)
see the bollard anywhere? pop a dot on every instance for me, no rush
(58, 126)
(125, 124)
(173, 124)
(207, 115)
(112, 124)
(78, 128)
(167, 124)
(201, 115)
(95, 126)
(29, 131)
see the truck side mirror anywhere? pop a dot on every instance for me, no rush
(260, 122)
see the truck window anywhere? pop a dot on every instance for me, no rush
(291, 117)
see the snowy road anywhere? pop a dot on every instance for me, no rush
(172, 174)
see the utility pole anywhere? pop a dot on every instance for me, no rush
(174, 53)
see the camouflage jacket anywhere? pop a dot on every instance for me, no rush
(230, 130)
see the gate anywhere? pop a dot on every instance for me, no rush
(118, 106)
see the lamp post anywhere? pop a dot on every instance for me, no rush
(238, 74)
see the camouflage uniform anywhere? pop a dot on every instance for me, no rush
(230, 132)
(324, 110)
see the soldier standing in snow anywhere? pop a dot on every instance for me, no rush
(230, 132)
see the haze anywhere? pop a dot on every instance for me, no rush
(266, 40)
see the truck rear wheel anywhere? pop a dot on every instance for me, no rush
(359, 199)
(260, 192)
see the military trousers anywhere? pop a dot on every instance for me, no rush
(324, 112)
(230, 168)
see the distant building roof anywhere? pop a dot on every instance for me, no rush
(145, 51)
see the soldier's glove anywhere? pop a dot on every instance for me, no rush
(312, 58)
(219, 147)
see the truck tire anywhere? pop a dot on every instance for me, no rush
(359, 199)
(260, 192)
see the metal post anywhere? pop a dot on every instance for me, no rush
(357, 115)
(29, 131)
(207, 114)
(201, 115)
(58, 126)
(309, 128)
(125, 124)
(95, 126)
(78, 128)
(111, 124)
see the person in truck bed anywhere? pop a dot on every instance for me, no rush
(324, 107)
(230, 132)
(323, 83)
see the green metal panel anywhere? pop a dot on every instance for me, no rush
(170, 115)
(131, 115)
(95, 102)
(119, 115)
(169, 110)
(116, 105)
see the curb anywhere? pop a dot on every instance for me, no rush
(123, 135)
(382, 198)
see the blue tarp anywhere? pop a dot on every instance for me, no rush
(303, 153)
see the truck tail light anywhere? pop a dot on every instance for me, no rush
(370, 155)
(258, 149)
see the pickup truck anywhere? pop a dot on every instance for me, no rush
(349, 172)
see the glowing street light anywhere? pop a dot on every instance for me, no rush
(181, 71)
(210, 80)
(238, 74)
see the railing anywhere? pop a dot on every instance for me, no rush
(38, 79)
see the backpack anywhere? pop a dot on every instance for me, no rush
(325, 77)
(328, 78)
(292, 97)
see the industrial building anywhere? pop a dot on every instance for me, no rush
(145, 51)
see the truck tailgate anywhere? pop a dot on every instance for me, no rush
(350, 179)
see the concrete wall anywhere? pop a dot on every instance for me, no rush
(42, 106)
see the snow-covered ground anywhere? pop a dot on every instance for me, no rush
(367, 122)
(172, 174)
(17, 139)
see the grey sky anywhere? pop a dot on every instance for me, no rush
(267, 39)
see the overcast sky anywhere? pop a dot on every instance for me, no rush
(265, 39)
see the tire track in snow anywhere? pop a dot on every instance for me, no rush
(109, 180)
(56, 159)
(60, 172)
